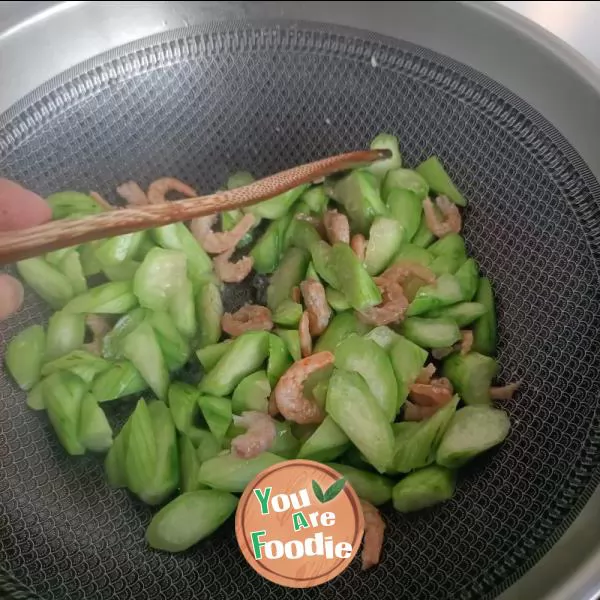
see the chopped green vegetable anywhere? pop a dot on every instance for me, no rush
(189, 466)
(417, 443)
(252, 393)
(285, 444)
(291, 339)
(371, 487)
(326, 443)
(152, 460)
(232, 474)
(245, 355)
(463, 313)
(114, 463)
(66, 332)
(89, 263)
(316, 199)
(159, 278)
(206, 444)
(341, 326)
(183, 404)
(189, 518)
(209, 310)
(142, 349)
(406, 207)
(321, 260)
(439, 180)
(383, 336)
(63, 393)
(70, 204)
(302, 234)
(431, 333)
(174, 347)
(24, 356)
(446, 265)
(357, 413)
(178, 237)
(183, 310)
(424, 488)
(450, 245)
(35, 397)
(444, 292)
(120, 379)
(359, 355)
(71, 267)
(80, 362)
(485, 331)
(140, 456)
(407, 361)
(336, 300)
(116, 298)
(413, 253)
(389, 142)
(239, 179)
(217, 414)
(423, 238)
(468, 279)
(95, 432)
(279, 359)
(209, 355)
(116, 250)
(112, 343)
(472, 430)
(289, 274)
(277, 207)
(405, 179)
(287, 313)
(471, 375)
(267, 250)
(123, 272)
(358, 193)
(355, 283)
(385, 238)
(47, 281)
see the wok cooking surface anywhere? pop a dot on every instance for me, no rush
(201, 103)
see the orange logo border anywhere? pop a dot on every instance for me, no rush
(243, 537)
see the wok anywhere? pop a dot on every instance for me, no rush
(236, 89)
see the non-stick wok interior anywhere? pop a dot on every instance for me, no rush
(199, 104)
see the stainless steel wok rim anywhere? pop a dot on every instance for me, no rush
(89, 78)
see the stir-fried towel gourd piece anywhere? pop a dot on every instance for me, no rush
(25, 356)
(424, 488)
(485, 329)
(119, 380)
(63, 394)
(95, 432)
(354, 409)
(362, 356)
(472, 430)
(471, 375)
(416, 443)
(252, 393)
(374, 488)
(161, 303)
(246, 354)
(229, 473)
(326, 443)
(189, 518)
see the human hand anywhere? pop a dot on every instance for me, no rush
(19, 209)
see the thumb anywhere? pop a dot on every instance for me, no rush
(21, 208)
(11, 295)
